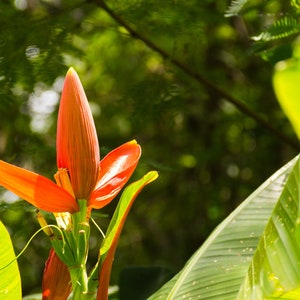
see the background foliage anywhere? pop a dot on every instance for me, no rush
(179, 77)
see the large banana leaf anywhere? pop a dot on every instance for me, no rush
(275, 268)
(10, 282)
(218, 269)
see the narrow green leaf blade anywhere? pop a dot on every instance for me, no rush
(275, 269)
(115, 227)
(10, 281)
(122, 210)
(217, 270)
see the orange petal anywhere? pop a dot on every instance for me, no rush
(77, 141)
(36, 189)
(115, 170)
(56, 279)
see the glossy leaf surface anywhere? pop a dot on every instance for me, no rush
(274, 270)
(217, 270)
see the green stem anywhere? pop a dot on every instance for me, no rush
(80, 237)
(80, 283)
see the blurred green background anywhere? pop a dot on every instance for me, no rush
(210, 155)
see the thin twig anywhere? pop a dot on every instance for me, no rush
(198, 77)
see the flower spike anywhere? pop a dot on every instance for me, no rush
(83, 183)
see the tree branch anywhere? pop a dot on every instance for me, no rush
(198, 77)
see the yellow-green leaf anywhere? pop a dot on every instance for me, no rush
(286, 81)
(10, 282)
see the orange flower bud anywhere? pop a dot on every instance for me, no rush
(77, 142)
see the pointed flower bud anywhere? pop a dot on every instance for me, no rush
(77, 142)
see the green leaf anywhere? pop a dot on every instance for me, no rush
(115, 227)
(217, 270)
(274, 270)
(282, 28)
(10, 281)
(235, 7)
(286, 81)
(122, 210)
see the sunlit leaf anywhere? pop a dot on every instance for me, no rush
(282, 28)
(274, 270)
(10, 282)
(235, 7)
(217, 270)
(286, 80)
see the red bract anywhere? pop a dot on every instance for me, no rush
(56, 280)
(114, 171)
(36, 189)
